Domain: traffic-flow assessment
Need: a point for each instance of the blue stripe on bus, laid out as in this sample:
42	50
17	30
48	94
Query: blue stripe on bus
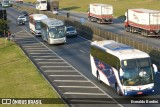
107	71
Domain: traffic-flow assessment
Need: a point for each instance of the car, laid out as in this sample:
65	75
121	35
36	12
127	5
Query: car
71	31
24	18
25	13
20	22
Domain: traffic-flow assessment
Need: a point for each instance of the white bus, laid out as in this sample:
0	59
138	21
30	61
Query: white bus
53	31
41	4
34	23
127	70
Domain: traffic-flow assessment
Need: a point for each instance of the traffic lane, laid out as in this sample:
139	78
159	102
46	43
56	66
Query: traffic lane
118	28
85	69
101	85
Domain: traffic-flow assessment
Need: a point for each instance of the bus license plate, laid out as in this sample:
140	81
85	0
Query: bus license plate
139	92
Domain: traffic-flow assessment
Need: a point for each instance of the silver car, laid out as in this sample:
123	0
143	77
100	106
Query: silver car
24	18
71	31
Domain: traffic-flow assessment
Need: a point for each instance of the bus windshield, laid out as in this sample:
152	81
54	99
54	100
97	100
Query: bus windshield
38	25
57	32
137	72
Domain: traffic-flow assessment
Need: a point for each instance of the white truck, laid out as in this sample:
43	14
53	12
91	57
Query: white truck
143	21
101	13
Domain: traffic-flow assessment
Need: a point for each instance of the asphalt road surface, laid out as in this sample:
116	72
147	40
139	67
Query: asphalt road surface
71	75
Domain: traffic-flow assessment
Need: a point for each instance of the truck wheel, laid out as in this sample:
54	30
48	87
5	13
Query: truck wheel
89	18
127	29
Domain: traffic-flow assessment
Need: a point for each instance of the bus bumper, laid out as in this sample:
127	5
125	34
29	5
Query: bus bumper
136	92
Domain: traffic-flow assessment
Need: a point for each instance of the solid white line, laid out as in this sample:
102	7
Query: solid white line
32	46
45	56
95	101
76	87
54	66
37	50
65	75
51	62
70	81
48	59
62	71
43	53
79	93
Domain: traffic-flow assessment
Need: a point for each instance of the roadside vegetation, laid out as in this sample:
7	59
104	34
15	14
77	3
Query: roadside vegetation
120	6
19	78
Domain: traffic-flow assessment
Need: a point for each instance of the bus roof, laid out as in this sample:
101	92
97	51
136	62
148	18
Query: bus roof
120	50
38	16
52	22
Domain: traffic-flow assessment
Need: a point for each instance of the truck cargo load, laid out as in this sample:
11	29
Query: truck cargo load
144	21
101	13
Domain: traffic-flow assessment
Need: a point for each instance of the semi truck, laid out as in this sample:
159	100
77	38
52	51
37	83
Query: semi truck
143	21
100	13
53	5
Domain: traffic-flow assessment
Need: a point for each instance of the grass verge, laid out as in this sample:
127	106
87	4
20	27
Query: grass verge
119	6
19	78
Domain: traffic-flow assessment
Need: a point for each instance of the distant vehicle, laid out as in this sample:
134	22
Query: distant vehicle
20	22
53	31
41	4
6	3
143	21
34	23
53	5
22	17
19	1
24	13
100	13
129	71
71	31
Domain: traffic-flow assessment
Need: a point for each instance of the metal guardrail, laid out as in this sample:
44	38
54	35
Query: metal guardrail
93	33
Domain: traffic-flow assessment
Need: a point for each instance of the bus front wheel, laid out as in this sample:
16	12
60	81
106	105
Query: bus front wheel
118	90
98	77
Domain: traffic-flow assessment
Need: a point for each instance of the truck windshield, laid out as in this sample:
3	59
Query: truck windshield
137	72
57	32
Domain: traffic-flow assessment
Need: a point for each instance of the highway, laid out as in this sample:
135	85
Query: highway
76	53
117	27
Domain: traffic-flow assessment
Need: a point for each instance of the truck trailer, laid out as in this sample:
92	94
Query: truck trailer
53	5
100	13
143	21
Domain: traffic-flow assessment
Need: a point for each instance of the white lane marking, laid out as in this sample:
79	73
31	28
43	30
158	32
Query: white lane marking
65	75
62	71
42	53
79	93
48	59
84	38
55	66
81	51
70	81
76	87
45	56
51	62
93	101
32	46
38	50
75	68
